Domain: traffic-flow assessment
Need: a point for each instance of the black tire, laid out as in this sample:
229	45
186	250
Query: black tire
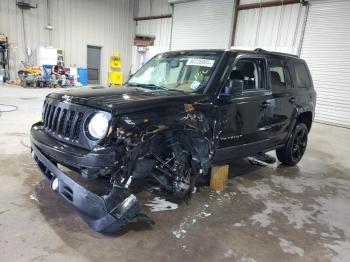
294	149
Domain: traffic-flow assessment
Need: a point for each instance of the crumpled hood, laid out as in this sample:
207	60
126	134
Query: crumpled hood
125	99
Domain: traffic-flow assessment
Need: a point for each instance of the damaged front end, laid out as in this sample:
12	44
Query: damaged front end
104	213
142	151
164	156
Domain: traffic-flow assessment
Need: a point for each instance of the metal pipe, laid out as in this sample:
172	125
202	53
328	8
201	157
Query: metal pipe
143	18
268	4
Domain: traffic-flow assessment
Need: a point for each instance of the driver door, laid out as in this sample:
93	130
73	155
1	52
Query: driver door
244	116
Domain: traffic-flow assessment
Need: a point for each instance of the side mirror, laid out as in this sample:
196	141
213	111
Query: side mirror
233	87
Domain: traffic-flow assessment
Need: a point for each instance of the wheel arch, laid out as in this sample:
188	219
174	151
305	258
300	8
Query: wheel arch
196	143
306	118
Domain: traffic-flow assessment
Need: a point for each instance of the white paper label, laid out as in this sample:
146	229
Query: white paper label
200	62
195	84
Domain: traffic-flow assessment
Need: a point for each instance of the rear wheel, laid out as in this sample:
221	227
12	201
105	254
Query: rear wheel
295	147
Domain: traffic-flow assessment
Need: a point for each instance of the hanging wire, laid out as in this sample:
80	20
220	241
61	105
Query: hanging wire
279	25
49	20
24	37
297	27
258	25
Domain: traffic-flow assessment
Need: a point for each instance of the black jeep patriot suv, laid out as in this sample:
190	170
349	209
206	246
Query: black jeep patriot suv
181	113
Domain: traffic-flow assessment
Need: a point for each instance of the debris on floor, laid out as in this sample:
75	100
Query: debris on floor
158	204
34	197
290	248
190	220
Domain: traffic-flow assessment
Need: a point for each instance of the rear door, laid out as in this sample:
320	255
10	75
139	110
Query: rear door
305	96
283	111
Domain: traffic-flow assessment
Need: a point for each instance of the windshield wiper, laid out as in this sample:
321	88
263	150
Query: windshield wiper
156	87
150	86
153	86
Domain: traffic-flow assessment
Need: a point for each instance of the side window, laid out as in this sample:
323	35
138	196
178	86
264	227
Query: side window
279	75
302	75
249	71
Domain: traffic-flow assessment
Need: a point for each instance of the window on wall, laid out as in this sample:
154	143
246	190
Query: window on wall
302	75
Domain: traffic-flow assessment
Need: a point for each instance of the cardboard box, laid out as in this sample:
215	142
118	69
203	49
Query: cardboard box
3	38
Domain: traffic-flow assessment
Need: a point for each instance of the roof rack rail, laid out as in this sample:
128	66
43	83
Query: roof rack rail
263	51
260	50
285	54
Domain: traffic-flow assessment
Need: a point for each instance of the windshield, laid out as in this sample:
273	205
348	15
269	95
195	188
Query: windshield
176	71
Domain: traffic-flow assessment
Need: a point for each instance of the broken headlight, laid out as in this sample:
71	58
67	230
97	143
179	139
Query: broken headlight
98	126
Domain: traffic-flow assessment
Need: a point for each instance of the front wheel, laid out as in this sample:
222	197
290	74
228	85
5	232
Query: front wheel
295	147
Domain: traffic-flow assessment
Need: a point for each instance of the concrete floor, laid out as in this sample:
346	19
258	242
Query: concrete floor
270	213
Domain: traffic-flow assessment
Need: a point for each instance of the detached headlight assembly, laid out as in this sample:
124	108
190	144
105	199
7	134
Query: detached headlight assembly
98	126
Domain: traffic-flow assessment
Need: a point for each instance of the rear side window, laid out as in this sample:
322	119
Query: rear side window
279	74
302	75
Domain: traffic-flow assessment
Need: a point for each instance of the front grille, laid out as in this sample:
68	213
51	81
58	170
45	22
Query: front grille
61	121
65	122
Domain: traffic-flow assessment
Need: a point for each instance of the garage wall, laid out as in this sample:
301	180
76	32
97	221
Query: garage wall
153	7
11	25
77	23
276	28
160	28
326	49
202	24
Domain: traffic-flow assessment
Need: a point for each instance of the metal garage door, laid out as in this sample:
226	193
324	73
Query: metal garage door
277	28
202	24
326	49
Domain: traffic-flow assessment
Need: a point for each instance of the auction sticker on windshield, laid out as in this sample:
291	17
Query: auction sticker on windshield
200	62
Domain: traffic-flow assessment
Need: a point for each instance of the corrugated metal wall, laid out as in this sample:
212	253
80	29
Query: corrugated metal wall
11	25
77	23
326	49
160	28
202	24
272	28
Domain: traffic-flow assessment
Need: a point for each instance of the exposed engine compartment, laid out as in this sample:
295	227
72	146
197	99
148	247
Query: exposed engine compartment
166	162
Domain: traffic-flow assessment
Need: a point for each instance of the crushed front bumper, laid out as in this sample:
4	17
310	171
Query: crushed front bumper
107	213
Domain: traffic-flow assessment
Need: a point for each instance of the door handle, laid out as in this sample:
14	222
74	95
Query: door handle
265	104
292	100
